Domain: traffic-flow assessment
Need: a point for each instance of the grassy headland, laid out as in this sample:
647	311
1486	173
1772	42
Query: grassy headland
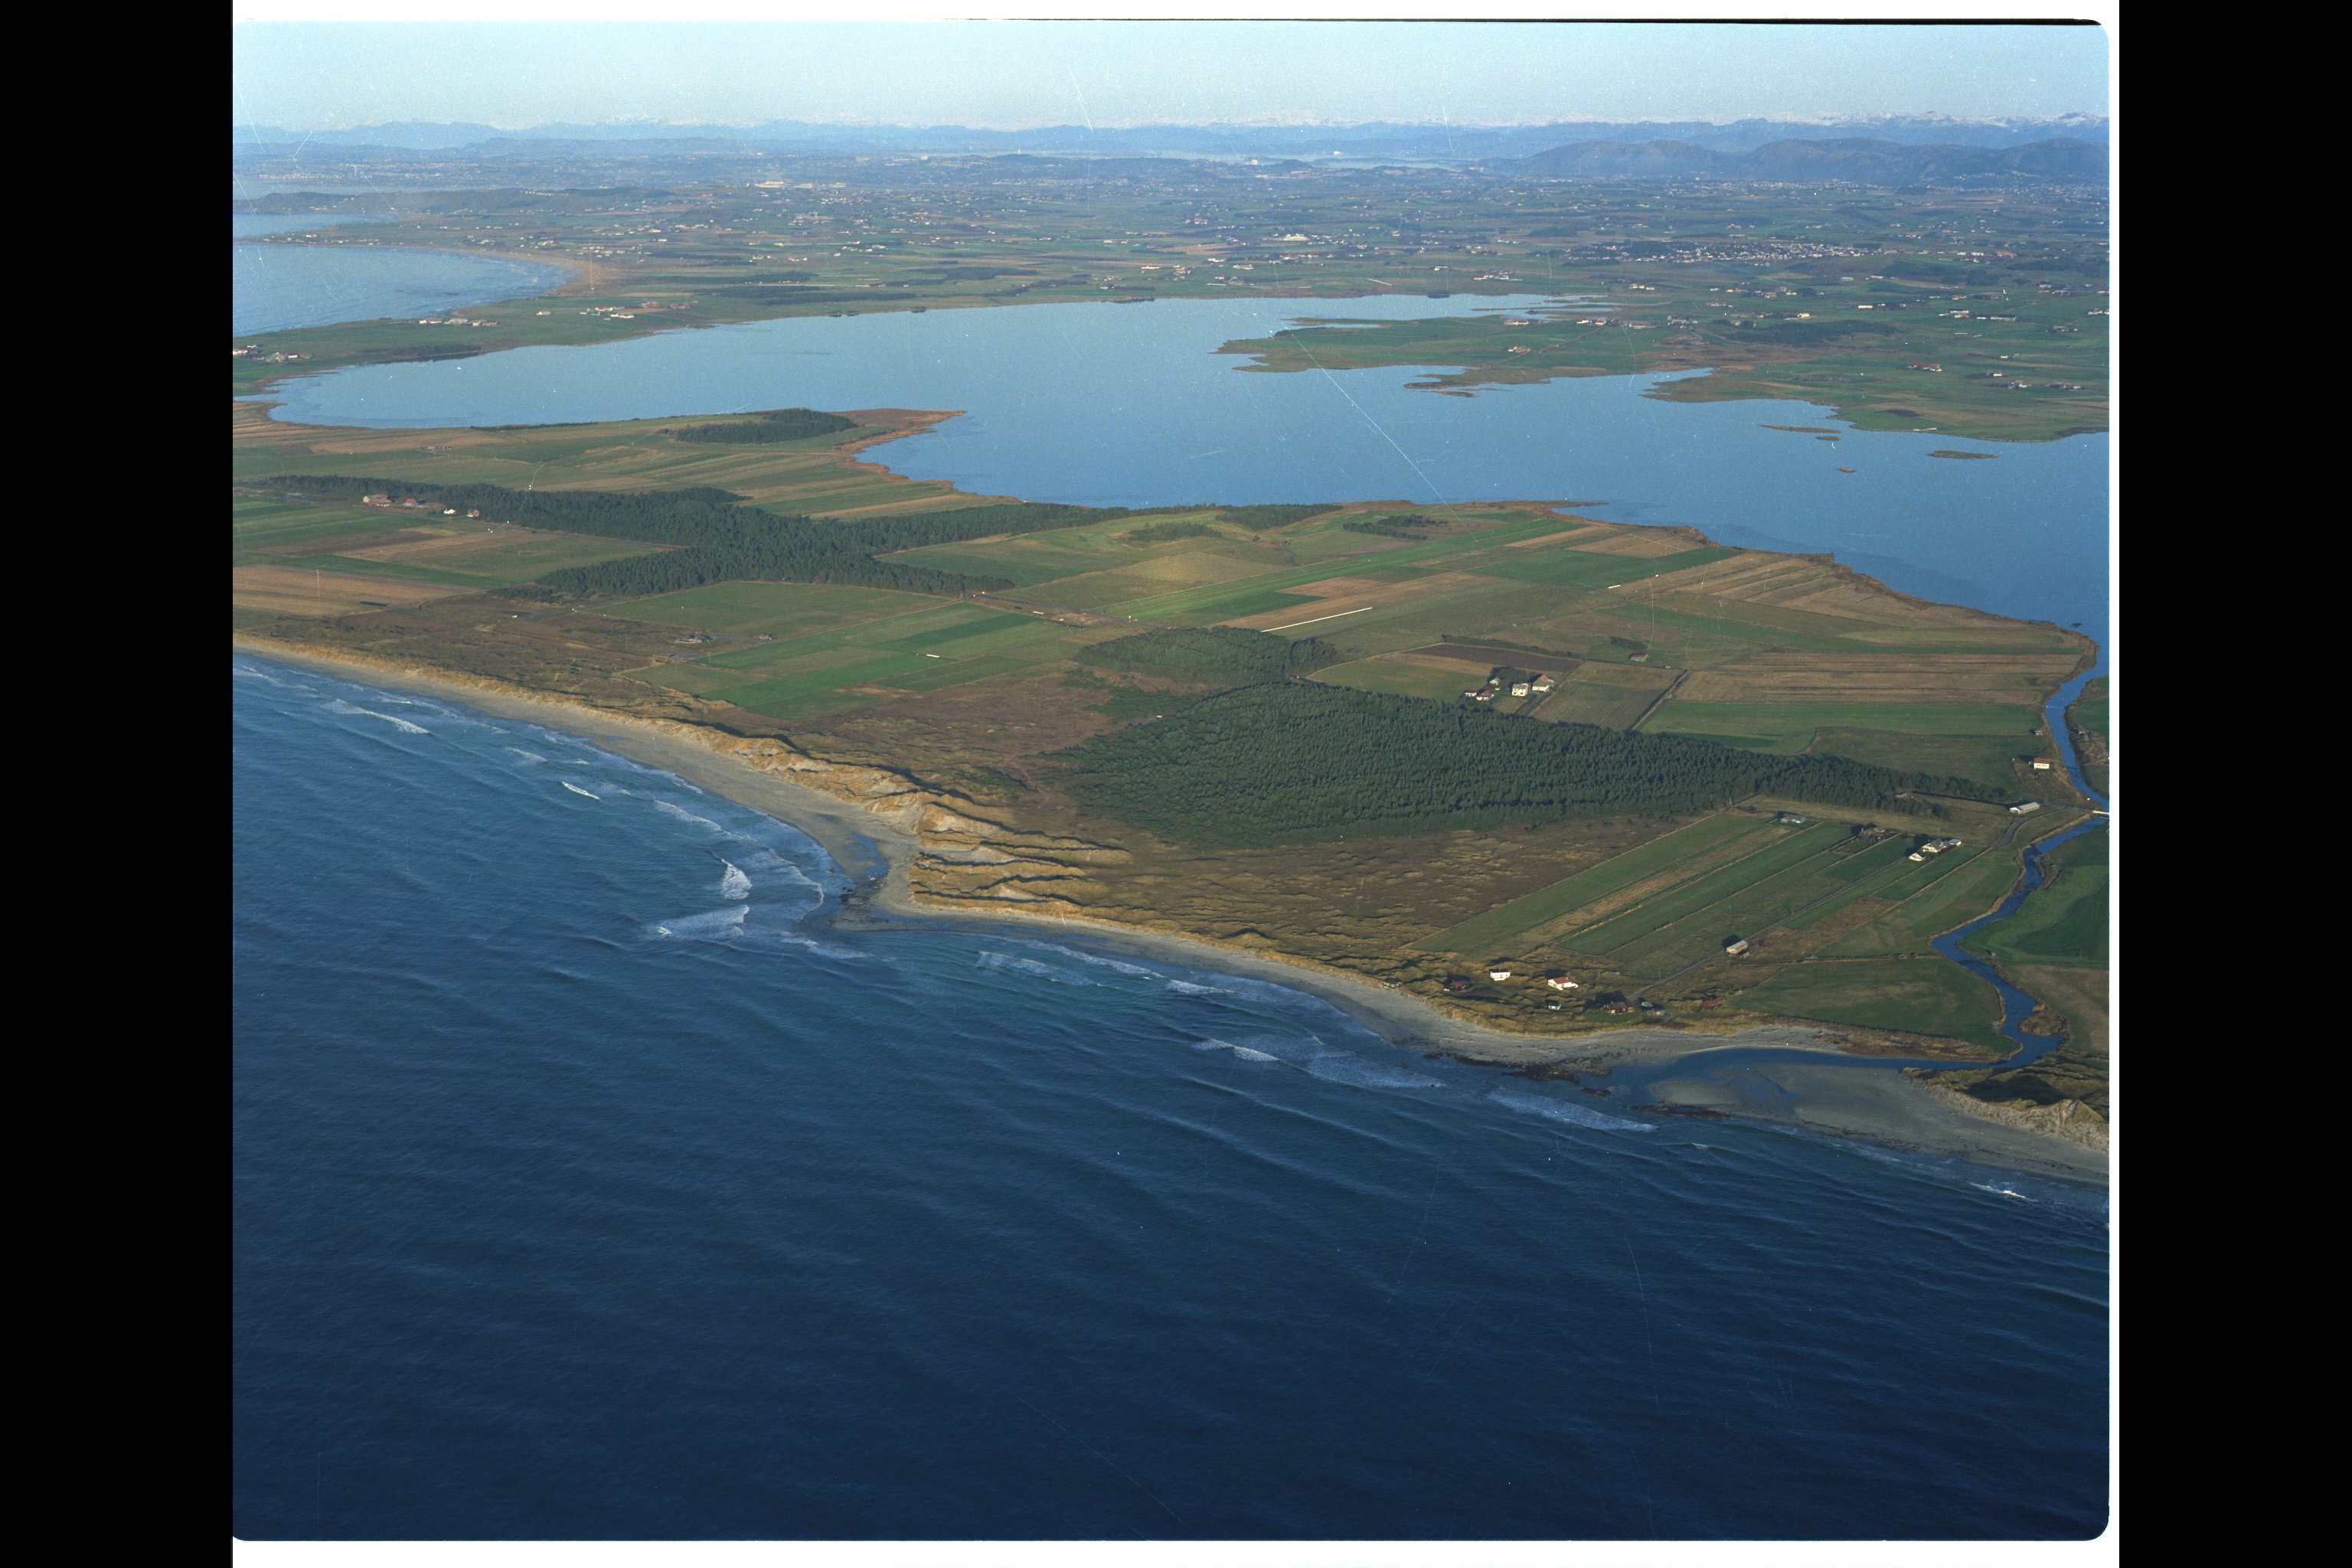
1750	752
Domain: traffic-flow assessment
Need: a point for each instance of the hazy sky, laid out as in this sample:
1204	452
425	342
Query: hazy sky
317	76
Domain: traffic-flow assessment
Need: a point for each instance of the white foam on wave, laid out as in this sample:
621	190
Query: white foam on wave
1097	959
1246	1053
1566	1110
575	789
1028	966
340	705
733	883
822	949
768	860
2003	1191
714	926
530	758
1193	988
668	808
254	674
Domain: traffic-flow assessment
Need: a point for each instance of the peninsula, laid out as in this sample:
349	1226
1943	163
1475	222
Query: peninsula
1583	788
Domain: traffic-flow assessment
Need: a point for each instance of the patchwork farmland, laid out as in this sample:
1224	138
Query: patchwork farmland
1634	631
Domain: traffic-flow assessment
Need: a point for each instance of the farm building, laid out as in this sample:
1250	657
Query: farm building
1499	974
1541	683
1737	944
1559	982
1518	689
2025	808
2041	764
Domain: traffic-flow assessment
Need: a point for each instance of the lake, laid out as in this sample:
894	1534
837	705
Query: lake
275	287
1130	405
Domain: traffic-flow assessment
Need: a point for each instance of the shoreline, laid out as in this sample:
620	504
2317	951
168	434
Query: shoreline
1894	1111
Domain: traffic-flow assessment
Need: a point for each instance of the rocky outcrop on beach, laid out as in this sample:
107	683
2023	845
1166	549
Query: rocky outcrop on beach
962	853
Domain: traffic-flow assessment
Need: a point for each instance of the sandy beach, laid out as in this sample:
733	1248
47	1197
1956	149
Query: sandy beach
1837	1096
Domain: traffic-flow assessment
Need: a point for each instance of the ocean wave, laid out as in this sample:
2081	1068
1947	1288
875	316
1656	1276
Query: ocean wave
1246	1053
1345	1066
717	925
767	859
1096	959
822	949
575	789
528	757
2002	1192
1566	1110
1028	966
1193	988
340	705
733	883
669	808
254	674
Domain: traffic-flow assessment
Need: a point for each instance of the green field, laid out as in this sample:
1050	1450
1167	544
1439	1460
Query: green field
850	638
2065	920
1949	891
779	609
1722	720
1914	995
1494	930
1758	907
1793	848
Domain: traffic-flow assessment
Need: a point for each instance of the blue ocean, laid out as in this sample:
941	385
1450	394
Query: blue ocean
590	1184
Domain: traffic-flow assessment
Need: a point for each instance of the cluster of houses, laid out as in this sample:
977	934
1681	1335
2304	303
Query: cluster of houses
1500	971
1534	686
452	321
1934	847
253	350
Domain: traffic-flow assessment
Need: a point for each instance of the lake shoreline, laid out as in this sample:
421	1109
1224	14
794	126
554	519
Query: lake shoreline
879	853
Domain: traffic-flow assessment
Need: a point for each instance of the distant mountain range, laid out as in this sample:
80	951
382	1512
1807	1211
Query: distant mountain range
1864	159
1375	141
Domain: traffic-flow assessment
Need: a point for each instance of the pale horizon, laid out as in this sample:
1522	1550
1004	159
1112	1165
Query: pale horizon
1017	76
